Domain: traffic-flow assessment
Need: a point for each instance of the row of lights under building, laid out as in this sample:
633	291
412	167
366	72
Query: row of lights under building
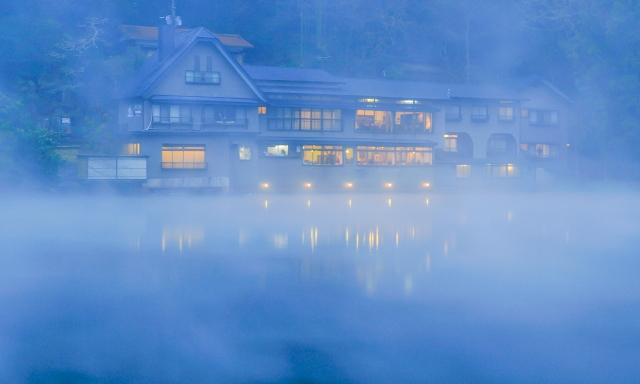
346	185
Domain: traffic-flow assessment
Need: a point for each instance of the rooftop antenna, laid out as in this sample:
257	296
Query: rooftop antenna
172	18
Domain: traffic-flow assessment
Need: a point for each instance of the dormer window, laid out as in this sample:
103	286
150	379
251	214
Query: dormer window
202	77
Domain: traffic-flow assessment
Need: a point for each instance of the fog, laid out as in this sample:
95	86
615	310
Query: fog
522	287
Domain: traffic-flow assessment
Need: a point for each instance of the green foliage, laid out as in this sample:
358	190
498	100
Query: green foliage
27	151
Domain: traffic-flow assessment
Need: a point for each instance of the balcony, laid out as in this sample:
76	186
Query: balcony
224	123
506	118
171	123
183	165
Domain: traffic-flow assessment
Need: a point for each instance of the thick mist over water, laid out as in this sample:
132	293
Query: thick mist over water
324	288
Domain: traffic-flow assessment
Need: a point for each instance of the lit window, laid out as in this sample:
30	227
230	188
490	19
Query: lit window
321	155
132	149
388	121
262	110
348	154
505	114
279	150
183	157
502	170
407	102
463	171
394	156
368	100
450	143
524	112
374	121
413	122
244	153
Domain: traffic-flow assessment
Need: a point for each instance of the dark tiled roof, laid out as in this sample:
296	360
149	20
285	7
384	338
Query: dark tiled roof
395	89
138	32
152	70
290	74
374	88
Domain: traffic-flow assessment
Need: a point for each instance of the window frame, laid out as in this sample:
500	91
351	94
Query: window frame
386	121
201	77
369	154
324	156
304	119
477	117
171	114
183	151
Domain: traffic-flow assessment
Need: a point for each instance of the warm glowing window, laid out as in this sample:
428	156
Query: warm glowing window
505	114
450	143
183	156
322	155
305	119
262	110
502	170
394	156
132	149
348	154
413	122
368	100
278	150
244	153
463	171
374	121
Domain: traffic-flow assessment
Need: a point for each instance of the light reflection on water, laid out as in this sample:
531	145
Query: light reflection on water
359	288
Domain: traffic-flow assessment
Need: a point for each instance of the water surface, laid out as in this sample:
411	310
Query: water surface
527	287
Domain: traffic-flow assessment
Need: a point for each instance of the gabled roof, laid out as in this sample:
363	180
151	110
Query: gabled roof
521	83
138	32
143	80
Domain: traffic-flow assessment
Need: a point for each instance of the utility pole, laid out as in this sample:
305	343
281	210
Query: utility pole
301	35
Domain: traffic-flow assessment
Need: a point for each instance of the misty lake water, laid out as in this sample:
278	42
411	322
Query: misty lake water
397	288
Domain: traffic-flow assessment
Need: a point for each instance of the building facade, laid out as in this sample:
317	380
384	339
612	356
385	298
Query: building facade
204	120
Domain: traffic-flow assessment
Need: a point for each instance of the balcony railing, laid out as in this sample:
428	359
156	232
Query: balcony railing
172	120
180	165
505	118
453	116
224	122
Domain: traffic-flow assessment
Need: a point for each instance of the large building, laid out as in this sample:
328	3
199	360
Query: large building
195	117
